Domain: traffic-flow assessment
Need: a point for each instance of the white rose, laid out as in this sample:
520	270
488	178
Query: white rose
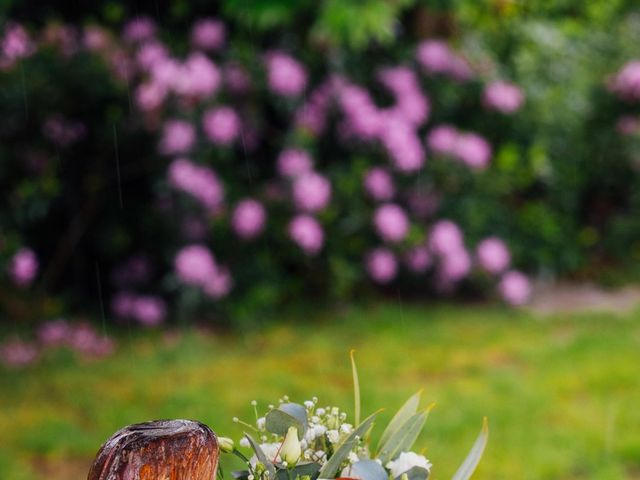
333	436
406	461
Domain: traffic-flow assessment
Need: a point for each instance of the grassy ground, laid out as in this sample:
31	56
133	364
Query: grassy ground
562	394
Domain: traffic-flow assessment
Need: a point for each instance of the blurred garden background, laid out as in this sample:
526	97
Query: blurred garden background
206	203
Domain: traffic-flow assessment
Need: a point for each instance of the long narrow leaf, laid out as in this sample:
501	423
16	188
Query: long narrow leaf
356	388
332	466
403	438
473	458
405	412
261	456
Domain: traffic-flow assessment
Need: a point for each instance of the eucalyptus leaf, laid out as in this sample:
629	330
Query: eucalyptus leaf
287	415
415	473
309	469
405	412
240	474
403	439
261	456
473	458
332	466
356	388
367	470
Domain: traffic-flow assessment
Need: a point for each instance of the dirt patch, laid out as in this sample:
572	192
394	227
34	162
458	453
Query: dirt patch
552	298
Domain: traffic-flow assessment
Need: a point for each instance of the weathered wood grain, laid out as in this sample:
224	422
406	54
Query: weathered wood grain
158	450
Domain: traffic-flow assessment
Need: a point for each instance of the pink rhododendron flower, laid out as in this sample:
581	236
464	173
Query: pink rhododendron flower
219	285
391	223
139	29
445	237
16	353
195	265
178	136
379	184
381	265
502	96
418	259
307	233
473	150
626	83
285	75
150	96
149	310
15	44
197	77
435	56
199	181
514	288
402	144
411	104
236	78
442	139
151	53
493	255
221	125
294	162
122	304
311	192
23	267
248	219
455	265
208	34
53	333
96	38
361	115
628	125
312	115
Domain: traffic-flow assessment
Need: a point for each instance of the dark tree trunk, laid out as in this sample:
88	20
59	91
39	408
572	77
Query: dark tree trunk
159	450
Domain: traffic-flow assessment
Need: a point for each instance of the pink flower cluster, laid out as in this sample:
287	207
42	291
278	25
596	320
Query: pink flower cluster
221	125
178	136
626	83
285	75
391	223
382	265
294	162
195	265
147	310
208	34
311	192
248	219
378	183
436	57
199	181
23	267
14	45
81	337
307	233
469	148
62	131
503	97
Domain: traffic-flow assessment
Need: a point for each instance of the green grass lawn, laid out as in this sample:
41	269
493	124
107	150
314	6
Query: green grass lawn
562	394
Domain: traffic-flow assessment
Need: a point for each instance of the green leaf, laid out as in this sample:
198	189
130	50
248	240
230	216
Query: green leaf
356	388
407	410
404	438
310	469
367	470
287	415
330	468
262	458
473	458
415	473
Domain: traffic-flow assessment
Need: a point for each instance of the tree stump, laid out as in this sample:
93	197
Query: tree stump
158	450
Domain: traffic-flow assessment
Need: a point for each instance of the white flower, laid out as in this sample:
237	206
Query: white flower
310	436
271	452
406	461
309	404
333	436
261	423
244	442
346	428
320	411
291	450
353	458
315	419
319	430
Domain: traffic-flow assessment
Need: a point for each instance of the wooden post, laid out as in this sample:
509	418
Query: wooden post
159	450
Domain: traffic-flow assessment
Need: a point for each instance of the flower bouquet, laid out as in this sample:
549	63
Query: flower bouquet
308	442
